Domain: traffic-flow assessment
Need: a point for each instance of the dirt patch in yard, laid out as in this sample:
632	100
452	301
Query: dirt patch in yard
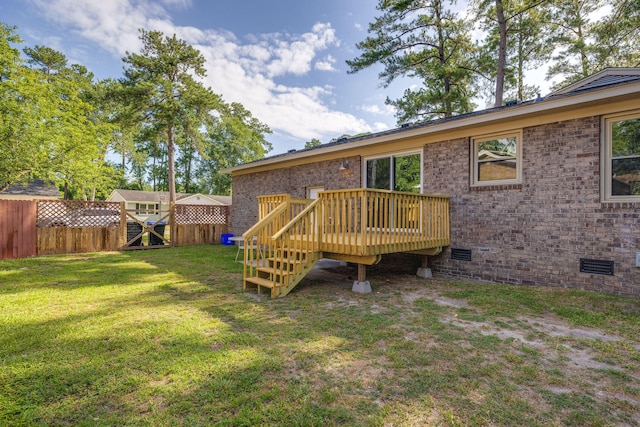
543	354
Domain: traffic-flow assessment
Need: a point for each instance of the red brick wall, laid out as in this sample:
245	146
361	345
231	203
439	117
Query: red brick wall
536	233
294	181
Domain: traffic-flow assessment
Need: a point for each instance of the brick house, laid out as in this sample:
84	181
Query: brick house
542	192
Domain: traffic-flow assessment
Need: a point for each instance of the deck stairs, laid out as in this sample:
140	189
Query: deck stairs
277	257
283	271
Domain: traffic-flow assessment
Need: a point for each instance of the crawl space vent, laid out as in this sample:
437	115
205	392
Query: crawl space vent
461	254
596	266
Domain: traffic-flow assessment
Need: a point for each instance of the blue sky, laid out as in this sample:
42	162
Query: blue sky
283	60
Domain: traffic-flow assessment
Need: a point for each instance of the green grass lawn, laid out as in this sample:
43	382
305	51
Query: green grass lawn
168	337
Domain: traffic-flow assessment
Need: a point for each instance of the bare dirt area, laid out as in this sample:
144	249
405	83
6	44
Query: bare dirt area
566	370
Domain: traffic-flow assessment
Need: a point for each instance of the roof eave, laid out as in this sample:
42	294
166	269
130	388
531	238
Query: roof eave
502	114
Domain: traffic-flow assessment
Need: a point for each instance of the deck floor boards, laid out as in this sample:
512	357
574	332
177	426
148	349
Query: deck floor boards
375	242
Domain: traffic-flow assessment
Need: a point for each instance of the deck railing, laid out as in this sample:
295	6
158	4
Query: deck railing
365	222
269	202
371	222
258	241
296	245
352	225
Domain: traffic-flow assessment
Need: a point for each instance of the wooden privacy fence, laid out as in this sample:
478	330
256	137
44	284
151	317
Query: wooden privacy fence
74	226
43	227
200	224
17	229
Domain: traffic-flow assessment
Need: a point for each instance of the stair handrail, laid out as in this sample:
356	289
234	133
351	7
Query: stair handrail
264	221
304	245
295	220
257	248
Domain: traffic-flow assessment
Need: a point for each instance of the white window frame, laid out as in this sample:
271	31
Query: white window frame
475	181
606	156
146	210
391	156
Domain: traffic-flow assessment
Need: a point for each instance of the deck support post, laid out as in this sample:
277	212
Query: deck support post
362	285
424	271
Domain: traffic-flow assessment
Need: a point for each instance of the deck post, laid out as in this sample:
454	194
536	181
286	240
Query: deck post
424	271
362	272
362	285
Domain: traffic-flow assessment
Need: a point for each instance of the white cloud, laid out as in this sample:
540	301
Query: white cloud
379	127
112	24
244	72
182	4
375	109
326	64
295	55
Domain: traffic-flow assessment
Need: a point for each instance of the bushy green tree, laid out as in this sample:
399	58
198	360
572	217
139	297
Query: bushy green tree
24	152
48	125
235	137
163	93
514	43
314	142
425	40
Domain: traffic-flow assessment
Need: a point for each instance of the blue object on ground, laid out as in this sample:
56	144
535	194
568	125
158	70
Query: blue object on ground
225	239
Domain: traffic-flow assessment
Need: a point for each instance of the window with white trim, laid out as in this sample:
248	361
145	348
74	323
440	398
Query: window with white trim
146	208
398	172
621	154
496	159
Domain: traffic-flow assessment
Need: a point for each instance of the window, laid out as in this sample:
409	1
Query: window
621	151
146	208
496	159
401	172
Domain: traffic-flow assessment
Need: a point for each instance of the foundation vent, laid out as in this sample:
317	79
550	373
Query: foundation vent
461	254
596	266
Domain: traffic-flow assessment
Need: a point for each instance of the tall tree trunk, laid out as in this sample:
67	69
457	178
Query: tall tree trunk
170	160
584	59
187	175
155	170
502	53
520	62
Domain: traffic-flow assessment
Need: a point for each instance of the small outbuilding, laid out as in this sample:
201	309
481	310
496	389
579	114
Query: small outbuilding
149	205
36	189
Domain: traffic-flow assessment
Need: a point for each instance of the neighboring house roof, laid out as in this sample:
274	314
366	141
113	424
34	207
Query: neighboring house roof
591	91
602	79
140	196
35	189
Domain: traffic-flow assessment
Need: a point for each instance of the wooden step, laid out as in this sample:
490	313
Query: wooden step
265	283
295	253
271	270
289	262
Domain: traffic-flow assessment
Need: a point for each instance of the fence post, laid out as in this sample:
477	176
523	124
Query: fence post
123	226
172	224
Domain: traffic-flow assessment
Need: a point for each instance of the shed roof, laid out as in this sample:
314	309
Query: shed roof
34	188
163	196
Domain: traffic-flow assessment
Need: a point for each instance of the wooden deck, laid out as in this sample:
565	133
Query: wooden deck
357	225
374	242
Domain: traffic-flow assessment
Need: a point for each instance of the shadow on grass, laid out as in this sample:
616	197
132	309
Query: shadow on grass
168	337
157	337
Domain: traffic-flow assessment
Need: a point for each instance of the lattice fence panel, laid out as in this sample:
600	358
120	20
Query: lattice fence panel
77	213
201	214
